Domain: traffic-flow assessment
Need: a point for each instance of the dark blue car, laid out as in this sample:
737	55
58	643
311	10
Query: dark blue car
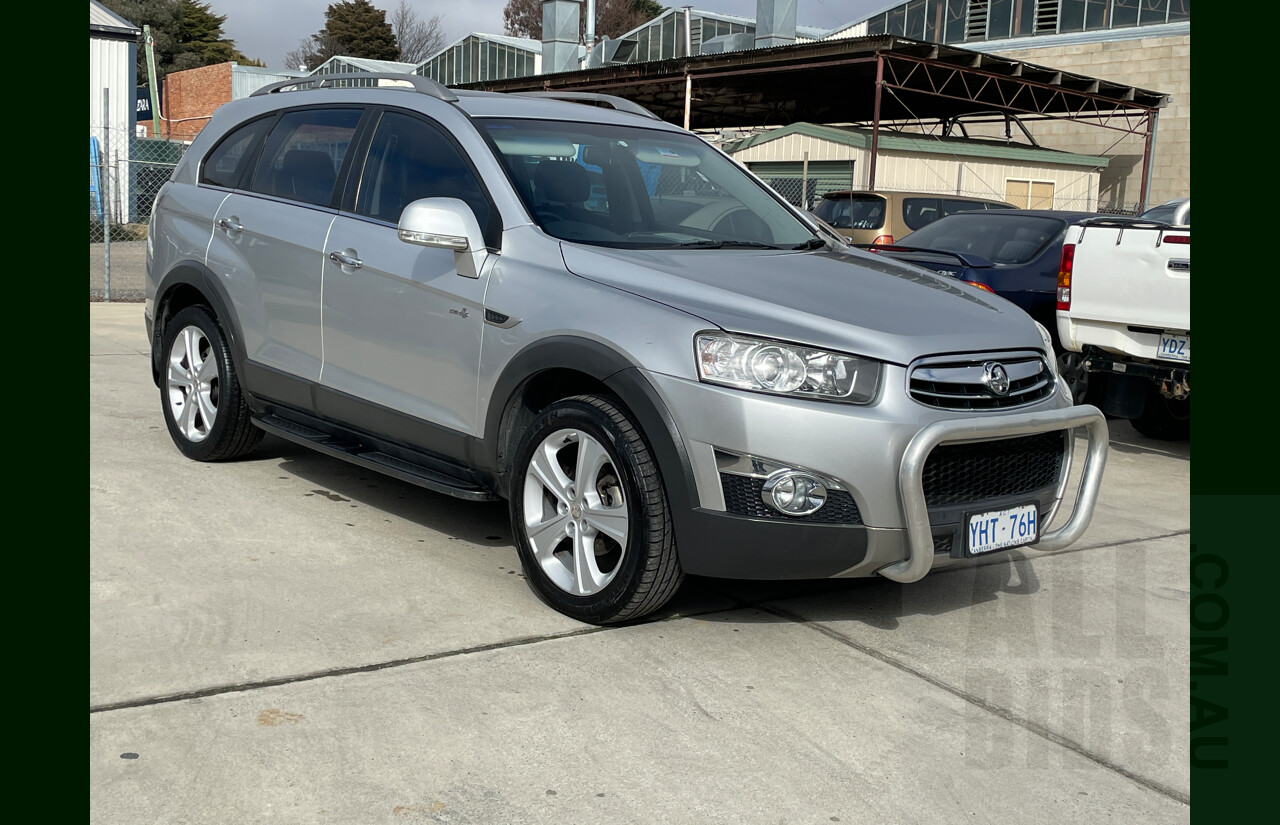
1012	252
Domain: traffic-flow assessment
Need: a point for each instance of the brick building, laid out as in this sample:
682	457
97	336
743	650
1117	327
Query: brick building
190	97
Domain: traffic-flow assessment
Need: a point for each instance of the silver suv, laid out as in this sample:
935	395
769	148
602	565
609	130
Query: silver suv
569	304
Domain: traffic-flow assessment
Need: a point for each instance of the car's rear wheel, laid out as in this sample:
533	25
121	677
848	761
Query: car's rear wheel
1168	419
203	405
591	519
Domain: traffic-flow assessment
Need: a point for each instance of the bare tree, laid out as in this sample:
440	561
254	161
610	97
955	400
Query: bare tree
523	18
418	37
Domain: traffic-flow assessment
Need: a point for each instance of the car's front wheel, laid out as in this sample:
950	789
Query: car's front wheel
591	519
203	405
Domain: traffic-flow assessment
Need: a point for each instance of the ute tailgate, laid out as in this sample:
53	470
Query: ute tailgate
1132	276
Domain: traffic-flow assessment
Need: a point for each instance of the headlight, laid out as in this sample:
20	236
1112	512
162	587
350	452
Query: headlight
1050	355
785	369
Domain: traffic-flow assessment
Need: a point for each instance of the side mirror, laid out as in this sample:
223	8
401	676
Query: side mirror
445	223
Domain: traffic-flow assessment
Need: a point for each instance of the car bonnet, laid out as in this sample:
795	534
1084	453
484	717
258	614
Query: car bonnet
844	301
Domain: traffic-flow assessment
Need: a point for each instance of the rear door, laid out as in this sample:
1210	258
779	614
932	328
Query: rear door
268	239
402	328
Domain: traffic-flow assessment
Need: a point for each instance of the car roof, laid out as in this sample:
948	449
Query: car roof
844	193
514	105
1063	214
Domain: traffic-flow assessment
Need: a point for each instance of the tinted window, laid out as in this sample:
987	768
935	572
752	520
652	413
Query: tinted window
224	165
950	207
852	211
1015	239
304	153
408	160
918	212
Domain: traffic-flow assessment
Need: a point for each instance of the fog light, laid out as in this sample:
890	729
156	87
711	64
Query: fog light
794	493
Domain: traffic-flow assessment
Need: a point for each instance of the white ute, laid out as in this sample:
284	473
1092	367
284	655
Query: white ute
1124	305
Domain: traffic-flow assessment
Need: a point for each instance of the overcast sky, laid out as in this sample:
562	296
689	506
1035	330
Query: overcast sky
267	29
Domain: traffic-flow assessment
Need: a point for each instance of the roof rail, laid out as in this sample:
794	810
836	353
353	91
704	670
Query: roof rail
621	104
422	85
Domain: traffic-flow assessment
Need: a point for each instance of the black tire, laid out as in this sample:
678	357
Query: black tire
1086	387
1166	419
645	571
215	426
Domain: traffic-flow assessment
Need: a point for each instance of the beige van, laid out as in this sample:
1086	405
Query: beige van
886	217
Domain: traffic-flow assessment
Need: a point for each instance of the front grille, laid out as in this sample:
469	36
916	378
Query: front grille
743	496
956	384
960	473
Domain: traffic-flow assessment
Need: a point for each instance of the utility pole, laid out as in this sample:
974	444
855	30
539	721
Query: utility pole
149	45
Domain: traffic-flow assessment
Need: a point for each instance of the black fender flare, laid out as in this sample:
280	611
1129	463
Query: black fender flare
198	276
626	381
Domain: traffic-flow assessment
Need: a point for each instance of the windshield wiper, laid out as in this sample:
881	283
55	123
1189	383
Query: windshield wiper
708	244
812	243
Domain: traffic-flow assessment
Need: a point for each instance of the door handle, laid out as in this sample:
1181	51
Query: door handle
231	224
342	259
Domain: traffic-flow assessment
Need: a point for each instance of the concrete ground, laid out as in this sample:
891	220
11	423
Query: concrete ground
290	637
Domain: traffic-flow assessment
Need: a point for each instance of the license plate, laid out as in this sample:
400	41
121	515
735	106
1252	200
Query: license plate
1175	348
1001	529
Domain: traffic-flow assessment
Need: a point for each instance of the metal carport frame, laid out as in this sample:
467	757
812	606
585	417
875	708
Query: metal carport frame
805	81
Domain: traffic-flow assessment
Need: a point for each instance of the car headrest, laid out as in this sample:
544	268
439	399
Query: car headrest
561	181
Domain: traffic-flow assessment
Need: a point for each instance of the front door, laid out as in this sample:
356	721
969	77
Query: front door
402	328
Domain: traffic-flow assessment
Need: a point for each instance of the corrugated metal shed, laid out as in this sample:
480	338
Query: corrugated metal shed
854	137
245	80
344	63
839	158
105	22
112	79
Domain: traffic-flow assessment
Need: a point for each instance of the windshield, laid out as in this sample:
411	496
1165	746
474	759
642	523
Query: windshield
1001	239
623	186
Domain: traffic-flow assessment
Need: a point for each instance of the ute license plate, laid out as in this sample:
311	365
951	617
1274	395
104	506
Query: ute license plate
1175	348
1002	529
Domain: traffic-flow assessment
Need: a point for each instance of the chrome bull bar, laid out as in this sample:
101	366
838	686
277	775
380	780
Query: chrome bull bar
911	477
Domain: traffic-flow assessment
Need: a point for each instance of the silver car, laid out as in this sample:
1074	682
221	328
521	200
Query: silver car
663	367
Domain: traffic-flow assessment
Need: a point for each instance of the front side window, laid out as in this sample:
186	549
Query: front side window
409	159
304	153
624	186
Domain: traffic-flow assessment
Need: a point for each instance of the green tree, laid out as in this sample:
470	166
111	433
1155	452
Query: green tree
187	34
353	28
523	18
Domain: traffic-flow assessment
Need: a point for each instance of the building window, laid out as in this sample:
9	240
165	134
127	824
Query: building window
1046	16
1124	13
975	27
1071	16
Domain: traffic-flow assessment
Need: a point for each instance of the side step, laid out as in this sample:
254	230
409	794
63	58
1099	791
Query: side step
372	459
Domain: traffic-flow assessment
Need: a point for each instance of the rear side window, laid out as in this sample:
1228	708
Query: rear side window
226	163
950	206
408	160
852	212
918	212
304	153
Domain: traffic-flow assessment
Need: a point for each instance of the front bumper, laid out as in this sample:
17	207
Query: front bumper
878	454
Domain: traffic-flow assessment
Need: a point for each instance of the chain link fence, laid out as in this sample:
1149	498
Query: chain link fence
806	192
125	174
